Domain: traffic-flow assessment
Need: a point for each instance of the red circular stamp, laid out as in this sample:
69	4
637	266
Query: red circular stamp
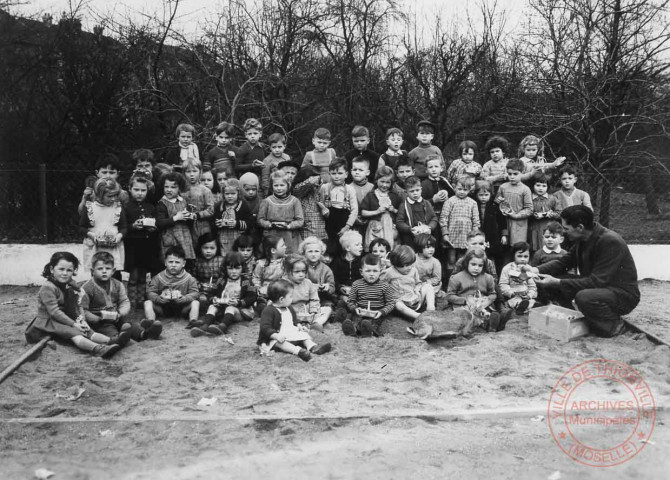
601	413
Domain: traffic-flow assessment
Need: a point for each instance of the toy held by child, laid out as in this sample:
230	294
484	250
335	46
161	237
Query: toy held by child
279	327
59	311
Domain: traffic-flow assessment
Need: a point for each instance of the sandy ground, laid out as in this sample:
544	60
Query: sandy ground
278	417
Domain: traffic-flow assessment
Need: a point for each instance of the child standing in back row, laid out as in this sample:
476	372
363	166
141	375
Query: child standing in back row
281	213
340	207
465	165
393	154
185	149
277	143
251	154
495	170
223	155
419	155
322	156
360	137
515	202
173	216
531	154
199	199
459	216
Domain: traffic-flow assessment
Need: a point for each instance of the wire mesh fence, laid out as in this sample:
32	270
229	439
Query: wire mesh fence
39	204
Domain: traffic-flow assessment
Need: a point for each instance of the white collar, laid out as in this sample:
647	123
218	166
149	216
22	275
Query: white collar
544	195
412	202
174	200
557	249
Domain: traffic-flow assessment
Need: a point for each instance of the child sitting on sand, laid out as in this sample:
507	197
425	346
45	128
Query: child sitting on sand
173	292
370	300
404	277
516	282
279	327
232	301
105	302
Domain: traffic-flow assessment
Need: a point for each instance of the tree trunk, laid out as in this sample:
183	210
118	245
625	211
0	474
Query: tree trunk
651	196
605	199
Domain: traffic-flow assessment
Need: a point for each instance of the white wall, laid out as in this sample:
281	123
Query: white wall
22	264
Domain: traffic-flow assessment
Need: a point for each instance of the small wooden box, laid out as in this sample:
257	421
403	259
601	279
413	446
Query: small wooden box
557	322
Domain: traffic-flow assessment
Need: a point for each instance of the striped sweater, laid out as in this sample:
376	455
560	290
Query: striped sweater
378	296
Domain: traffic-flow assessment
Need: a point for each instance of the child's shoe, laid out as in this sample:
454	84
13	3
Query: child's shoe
340	315
504	318
321	349
522	307
194	323
494	322
105	351
198	332
155	329
304	355
348	327
366	328
215	330
121	339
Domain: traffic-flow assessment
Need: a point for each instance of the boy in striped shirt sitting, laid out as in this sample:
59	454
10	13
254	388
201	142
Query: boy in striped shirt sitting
370	300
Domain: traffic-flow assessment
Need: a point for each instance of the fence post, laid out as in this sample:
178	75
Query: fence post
44	223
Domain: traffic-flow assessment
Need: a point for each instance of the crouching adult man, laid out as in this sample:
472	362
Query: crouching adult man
606	284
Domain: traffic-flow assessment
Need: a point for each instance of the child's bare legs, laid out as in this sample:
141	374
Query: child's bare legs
408	312
287	347
150	310
451	258
99	349
322	317
428	297
194	310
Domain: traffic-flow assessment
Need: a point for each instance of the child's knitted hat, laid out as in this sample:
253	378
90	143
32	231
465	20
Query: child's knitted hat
249	179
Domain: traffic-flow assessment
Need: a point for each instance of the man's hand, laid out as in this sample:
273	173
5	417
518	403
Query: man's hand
547	281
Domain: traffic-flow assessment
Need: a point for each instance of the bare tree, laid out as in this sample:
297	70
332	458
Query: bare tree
601	67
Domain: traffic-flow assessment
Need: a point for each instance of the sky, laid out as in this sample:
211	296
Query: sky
193	13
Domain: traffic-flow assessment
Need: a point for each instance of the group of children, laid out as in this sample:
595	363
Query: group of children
247	232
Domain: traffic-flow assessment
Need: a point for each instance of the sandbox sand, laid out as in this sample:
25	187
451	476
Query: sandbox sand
395	376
